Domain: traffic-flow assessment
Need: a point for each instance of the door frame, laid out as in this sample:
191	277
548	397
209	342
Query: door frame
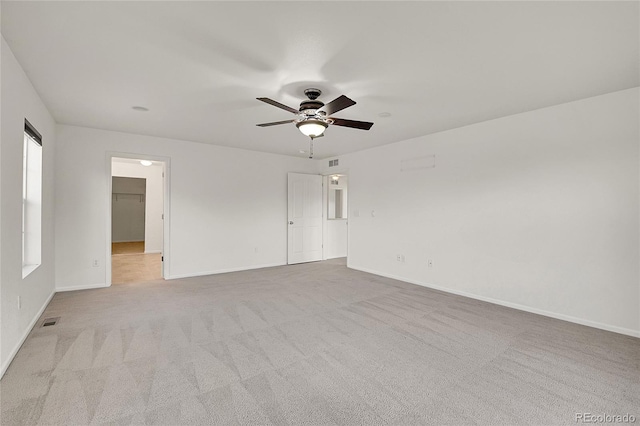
166	237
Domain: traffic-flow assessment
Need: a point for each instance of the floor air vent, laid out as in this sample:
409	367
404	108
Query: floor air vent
50	321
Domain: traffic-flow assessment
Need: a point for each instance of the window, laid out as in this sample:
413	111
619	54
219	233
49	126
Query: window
31	199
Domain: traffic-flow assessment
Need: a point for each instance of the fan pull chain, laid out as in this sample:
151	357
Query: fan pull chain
311	147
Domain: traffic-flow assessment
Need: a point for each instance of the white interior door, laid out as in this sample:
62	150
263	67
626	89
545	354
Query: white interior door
305	218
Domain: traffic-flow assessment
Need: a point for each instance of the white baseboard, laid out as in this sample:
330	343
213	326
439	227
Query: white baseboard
581	321
152	251
81	287
334	257
15	350
223	271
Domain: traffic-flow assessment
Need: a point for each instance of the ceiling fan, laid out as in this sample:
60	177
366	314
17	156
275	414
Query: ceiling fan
313	117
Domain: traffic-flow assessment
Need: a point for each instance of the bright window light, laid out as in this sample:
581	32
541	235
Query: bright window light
31	200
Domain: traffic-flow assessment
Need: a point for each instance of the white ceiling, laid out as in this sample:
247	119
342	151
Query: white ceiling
198	66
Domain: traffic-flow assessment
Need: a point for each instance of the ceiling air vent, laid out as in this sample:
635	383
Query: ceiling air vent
333	163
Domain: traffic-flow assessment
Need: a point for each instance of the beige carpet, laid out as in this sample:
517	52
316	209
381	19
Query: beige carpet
312	344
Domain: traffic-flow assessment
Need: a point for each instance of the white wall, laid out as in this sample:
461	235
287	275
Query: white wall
228	206
336	238
154	207
20	101
537	210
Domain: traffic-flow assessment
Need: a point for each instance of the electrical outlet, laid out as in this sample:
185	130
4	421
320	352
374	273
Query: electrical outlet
95	263
430	263
255	249
399	257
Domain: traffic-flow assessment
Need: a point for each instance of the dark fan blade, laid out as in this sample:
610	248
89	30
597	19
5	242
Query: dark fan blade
364	125
338	104
275	123
278	104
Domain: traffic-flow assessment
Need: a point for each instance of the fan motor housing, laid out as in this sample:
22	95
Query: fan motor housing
310	104
312	93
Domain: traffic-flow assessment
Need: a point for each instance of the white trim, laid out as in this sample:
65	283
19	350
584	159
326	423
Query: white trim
35	319
325	227
581	321
224	271
81	287
152	251
109	248
335	257
29	268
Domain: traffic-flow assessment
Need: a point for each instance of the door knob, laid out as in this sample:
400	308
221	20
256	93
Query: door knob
290	222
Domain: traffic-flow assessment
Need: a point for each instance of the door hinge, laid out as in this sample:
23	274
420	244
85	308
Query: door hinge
162	216
162	259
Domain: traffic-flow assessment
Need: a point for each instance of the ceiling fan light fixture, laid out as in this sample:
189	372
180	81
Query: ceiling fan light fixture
312	128
314	116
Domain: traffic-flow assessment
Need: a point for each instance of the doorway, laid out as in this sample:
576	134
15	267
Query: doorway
137	220
336	224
